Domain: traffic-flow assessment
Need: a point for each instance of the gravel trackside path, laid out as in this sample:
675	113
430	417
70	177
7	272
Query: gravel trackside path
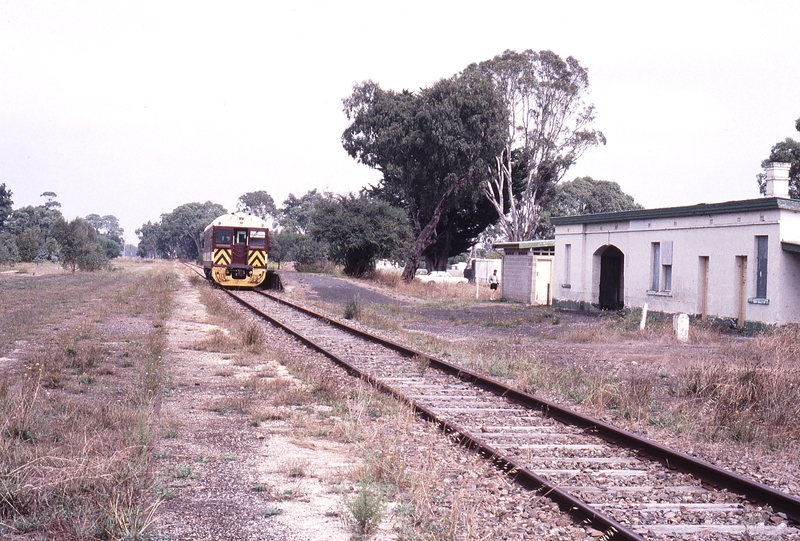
221	475
225	479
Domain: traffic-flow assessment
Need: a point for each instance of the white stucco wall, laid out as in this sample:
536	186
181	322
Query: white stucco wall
718	237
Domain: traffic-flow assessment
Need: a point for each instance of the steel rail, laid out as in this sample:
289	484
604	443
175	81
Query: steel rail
579	510
670	458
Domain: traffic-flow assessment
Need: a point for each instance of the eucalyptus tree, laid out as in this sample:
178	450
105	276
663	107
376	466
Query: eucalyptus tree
295	214
183	227
179	233
107	226
584	195
430	146
6	204
359	230
548	129
259	203
79	245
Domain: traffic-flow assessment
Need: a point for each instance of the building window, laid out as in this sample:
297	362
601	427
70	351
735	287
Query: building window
761	266
661	266
656	267
666	265
567	264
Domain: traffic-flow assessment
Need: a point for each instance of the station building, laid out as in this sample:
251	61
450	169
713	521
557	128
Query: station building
738	260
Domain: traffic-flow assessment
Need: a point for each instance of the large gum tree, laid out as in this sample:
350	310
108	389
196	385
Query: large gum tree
429	146
549	128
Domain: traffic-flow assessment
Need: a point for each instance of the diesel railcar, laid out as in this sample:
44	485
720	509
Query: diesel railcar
235	248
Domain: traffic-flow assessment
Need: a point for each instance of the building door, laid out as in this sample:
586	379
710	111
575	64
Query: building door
703	287
611	279
544	273
741	289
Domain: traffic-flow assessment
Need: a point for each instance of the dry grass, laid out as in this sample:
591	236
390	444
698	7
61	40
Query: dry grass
76	426
428	291
748	393
755	396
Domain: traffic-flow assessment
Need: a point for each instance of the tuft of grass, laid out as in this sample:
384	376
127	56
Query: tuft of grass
365	508
271	512
352	309
295	467
252	336
183	471
757	400
219	341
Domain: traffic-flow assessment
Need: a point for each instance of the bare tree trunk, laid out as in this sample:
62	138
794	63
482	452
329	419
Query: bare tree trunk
426	235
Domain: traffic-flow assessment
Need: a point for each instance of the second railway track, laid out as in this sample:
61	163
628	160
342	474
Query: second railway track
622	485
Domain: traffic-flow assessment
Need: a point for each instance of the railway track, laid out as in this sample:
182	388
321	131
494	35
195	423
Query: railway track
615	481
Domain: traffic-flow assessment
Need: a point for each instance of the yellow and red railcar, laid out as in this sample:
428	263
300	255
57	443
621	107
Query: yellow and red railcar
235	248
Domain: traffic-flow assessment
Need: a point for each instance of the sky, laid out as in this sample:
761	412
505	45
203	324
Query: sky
135	108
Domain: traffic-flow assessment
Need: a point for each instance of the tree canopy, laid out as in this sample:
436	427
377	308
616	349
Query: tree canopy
80	246
432	147
786	151
360	230
295	214
40	233
584	195
6	204
33	229
548	129
259	203
180	232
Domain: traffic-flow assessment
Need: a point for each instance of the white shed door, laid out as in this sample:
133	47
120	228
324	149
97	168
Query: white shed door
544	271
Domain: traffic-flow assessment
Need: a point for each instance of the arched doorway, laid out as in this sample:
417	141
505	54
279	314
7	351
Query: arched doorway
611	279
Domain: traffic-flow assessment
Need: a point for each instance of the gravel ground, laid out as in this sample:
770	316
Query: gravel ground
227	477
625	357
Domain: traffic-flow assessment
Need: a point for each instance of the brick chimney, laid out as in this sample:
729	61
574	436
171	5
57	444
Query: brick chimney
777	180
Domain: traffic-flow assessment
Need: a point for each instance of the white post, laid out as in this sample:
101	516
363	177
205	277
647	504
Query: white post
681	324
644	317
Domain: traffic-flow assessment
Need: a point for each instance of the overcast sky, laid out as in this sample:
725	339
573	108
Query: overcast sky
134	108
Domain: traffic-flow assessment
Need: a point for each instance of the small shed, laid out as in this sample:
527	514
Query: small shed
528	270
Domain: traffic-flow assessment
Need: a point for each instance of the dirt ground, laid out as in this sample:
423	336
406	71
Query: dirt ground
251	446
224	476
286	477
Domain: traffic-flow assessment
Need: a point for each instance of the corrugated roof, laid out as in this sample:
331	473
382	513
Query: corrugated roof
747	205
526	244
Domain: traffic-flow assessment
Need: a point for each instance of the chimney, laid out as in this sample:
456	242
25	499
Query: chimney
777	180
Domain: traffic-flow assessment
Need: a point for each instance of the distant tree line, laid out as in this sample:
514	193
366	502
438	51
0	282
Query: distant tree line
41	233
352	230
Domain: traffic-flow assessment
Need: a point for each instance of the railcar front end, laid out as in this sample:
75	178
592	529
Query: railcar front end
235	248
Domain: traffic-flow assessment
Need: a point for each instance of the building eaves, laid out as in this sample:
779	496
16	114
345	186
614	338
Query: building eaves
703	209
526	244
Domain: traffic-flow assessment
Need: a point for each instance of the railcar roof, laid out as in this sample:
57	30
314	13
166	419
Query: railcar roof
238	219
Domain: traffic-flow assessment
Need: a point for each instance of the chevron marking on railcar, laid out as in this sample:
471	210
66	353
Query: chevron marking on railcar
256	258
222	256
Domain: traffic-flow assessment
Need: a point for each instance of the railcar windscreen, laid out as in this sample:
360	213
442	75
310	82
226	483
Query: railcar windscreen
223	236
258	238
